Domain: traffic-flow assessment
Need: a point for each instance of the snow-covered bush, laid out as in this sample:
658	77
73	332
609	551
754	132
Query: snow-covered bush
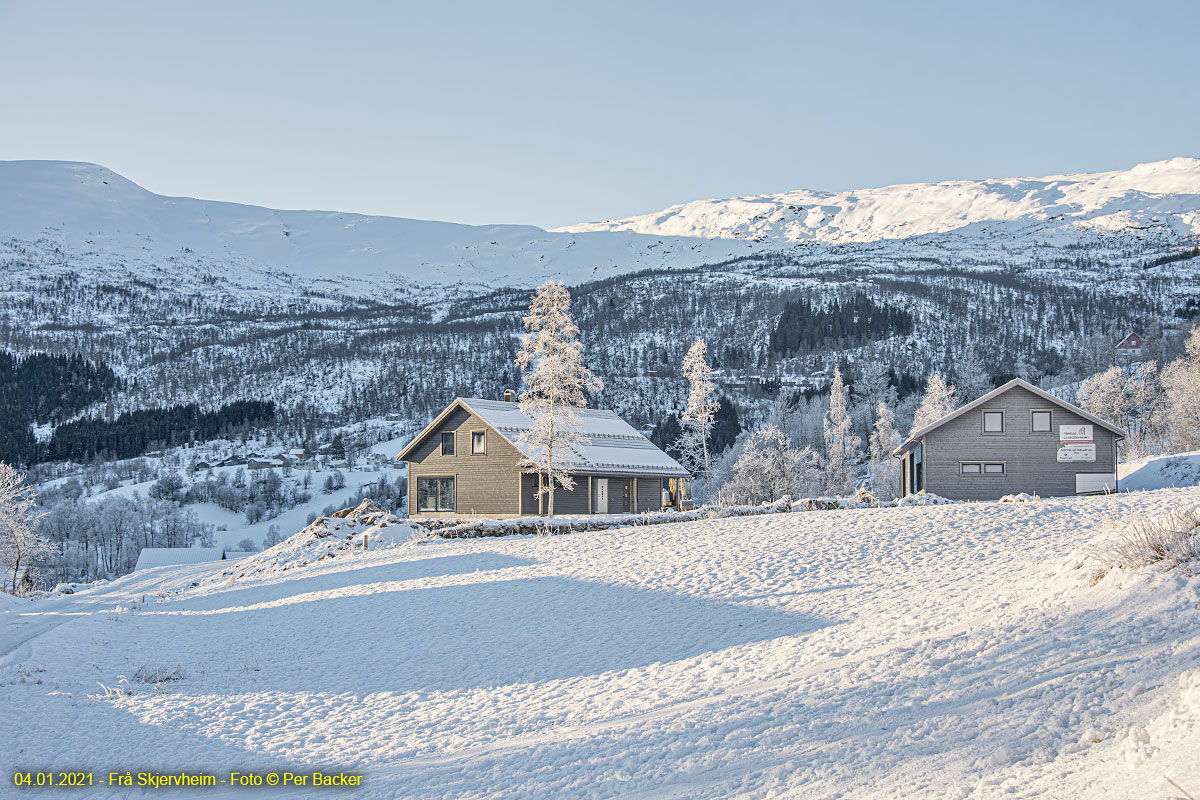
1023	497
158	673
923	498
1171	539
769	468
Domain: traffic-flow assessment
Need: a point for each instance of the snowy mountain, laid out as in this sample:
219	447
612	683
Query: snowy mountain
338	317
1163	196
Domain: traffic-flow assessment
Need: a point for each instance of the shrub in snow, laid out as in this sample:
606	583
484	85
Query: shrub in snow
1023	497
157	673
1171	539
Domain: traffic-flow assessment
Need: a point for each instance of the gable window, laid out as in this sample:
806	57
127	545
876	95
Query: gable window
970	469
993	422
1040	423
478	443
993	469
435	494
447	444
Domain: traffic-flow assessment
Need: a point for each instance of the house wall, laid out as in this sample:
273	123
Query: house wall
1031	459
485	485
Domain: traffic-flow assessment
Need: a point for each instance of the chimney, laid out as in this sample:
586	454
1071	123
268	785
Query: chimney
510	396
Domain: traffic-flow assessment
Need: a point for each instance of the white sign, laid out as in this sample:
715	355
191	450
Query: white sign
1077	452
1075	434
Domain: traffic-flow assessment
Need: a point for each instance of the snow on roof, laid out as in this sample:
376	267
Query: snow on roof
175	556
610	443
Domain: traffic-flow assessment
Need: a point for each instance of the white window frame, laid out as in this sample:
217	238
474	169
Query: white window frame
984	418
481	437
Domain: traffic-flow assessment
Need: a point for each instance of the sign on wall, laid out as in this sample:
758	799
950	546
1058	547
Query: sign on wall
1077	452
1075	434
1076	443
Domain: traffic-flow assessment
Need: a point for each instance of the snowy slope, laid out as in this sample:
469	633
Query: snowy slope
96	217
928	652
1162	195
55	215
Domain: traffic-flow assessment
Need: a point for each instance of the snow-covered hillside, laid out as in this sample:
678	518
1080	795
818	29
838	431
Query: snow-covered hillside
927	652
1162	196
57	214
96	218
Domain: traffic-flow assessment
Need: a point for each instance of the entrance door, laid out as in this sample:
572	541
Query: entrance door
601	495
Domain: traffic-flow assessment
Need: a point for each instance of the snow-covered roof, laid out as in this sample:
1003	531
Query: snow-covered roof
987	398
175	556
610	444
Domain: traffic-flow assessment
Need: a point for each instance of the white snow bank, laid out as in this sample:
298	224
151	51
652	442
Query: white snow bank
1023	497
1160	472
365	528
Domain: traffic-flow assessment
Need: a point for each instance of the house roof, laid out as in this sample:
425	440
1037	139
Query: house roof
610	444
176	556
1131	342
1015	383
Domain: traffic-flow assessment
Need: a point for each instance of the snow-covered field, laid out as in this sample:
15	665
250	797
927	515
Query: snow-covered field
941	651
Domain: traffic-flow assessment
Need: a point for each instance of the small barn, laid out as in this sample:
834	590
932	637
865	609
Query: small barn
1017	438
150	557
1131	347
468	462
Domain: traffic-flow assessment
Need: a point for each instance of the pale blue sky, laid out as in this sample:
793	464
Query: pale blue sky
552	113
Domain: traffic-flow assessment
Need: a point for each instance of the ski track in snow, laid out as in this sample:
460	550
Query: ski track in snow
943	652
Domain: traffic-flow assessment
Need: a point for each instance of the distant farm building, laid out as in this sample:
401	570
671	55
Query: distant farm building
1131	347
1017	438
467	462
151	557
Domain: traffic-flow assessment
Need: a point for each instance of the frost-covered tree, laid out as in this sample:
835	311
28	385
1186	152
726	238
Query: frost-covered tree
555	384
698	417
1131	400
21	546
885	469
937	402
973	381
770	467
874	387
1181	387
843	449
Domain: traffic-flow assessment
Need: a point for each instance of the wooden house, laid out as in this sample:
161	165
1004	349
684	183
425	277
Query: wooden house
468	462
1017	438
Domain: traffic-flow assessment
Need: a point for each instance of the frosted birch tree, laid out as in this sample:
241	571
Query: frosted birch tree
697	419
1181	386
556	383
885	469
937	402
843	448
1132	401
20	544
769	468
973	379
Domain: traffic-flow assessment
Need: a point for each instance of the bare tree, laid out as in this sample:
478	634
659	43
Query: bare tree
1181	385
21	547
697	420
937	402
556	382
843	449
885	469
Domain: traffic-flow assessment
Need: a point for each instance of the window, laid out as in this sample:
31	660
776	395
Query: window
478	445
993	469
971	469
435	494
1040	422
447	444
977	468
993	422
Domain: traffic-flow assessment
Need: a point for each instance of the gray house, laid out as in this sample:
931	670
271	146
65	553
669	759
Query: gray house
467	462
1017	438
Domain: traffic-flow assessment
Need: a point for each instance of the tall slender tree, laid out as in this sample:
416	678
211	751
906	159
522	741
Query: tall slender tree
843	448
556	383
698	418
884	440
21	546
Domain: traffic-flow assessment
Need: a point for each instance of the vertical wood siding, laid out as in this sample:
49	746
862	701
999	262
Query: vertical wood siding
1031	459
